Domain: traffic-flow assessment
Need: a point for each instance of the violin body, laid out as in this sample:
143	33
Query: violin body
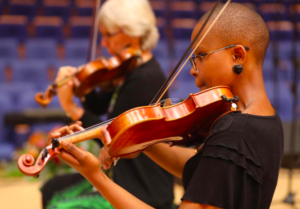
135	130
99	72
103	70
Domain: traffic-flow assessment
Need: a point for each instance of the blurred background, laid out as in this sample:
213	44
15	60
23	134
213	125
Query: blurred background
39	36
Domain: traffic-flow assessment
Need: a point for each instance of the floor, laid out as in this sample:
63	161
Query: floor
24	193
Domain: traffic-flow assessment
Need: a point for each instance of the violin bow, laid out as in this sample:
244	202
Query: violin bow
94	32
176	71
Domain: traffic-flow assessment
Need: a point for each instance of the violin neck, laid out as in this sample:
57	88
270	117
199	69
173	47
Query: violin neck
98	131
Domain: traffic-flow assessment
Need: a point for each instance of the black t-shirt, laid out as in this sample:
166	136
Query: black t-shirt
239	164
140	176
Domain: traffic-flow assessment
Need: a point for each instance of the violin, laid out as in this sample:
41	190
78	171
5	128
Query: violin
95	73
134	130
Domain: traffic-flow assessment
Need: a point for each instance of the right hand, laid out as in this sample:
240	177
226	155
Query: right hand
105	159
65	92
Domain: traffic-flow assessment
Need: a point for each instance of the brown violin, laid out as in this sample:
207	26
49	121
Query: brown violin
136	129
95	73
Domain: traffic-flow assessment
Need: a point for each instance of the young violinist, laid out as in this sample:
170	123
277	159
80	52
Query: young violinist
237	166
122	23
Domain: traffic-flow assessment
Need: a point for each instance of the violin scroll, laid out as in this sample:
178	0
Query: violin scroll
27	165
44	99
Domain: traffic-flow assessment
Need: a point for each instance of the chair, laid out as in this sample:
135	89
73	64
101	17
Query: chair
162	26
6	151
13	27
161	50
33	71
205	7
49	28
44	49
159	8
183	28
84	8
13	92
76	48
59	8
23	7
8	49
184	9
80	27
274	12
182	89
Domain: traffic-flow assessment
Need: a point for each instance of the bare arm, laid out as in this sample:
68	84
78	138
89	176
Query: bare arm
171	159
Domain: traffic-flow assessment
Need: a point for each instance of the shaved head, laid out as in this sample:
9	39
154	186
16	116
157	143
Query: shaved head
240	25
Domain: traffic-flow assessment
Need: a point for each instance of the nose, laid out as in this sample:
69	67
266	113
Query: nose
192	72
104	42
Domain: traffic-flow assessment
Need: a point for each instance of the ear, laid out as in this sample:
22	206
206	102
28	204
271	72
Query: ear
239	53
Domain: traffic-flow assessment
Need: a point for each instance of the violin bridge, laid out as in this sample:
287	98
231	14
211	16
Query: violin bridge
168	102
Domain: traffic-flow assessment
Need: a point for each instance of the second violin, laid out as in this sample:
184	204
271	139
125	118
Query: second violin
94	73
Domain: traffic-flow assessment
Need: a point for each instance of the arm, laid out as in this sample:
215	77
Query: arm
88	165
97	104
171	159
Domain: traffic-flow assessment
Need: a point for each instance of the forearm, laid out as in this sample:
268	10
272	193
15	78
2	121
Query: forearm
118	197
171	159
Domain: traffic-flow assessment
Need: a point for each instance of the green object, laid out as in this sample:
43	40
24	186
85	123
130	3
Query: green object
78	196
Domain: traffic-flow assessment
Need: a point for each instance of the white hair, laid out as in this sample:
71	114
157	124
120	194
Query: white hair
134	17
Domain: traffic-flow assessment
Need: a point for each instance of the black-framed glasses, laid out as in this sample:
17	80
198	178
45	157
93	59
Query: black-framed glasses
193	58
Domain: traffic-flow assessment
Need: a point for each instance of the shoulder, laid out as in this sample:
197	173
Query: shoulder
228	142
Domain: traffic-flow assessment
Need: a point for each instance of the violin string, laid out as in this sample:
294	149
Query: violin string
98	125
158	95
200	41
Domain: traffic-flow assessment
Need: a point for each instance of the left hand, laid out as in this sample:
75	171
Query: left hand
83	161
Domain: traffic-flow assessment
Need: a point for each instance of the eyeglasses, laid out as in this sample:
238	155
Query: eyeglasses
193	58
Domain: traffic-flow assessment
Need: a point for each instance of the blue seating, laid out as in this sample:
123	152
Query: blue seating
159	8
164	64
180	47
281	30
58	8
161	25
8	49
84	8
6	151
80	27
13	27
161	50
183	89
12	92
41	49
183	28
76	48
33	71
6	104
184	9
23	7
49	28
274	12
